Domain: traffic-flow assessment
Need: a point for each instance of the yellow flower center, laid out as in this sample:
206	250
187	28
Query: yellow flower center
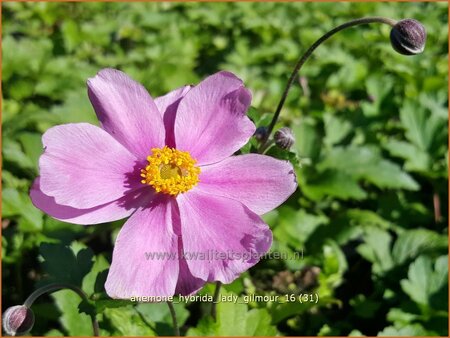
170	171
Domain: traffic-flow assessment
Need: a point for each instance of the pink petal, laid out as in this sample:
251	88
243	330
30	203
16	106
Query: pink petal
148	230
126	111
85	167
259	182
168	105
221	237
187	283
210	122
108	212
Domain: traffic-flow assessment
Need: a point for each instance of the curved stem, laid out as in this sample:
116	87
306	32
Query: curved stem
215	298
308	53
176	329
58	286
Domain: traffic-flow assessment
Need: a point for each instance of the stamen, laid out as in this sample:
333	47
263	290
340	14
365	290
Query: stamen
170	171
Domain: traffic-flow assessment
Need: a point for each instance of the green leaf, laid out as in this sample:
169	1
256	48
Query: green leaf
159	314
335	184
364	307
400	317
365	162
234	319
378	86
76	108
307	142
426	284
127	322
13	152
426	130
409	331
95	275
282	154
416	159
76	324
413	242
336	129
295	227
16	203
32	145
376	249
76	260
334	263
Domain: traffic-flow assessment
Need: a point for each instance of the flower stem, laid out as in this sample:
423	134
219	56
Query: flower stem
215	298
58	286
176	329
308	53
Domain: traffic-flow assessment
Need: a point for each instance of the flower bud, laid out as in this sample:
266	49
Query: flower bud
18	320
284	138
261	133
408	37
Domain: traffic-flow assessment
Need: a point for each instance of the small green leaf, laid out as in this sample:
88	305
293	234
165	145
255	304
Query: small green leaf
408	330
425	282
17	203
307	141
159	315
335	184
365	162
413	242
376	249
128	322
234	319
76	323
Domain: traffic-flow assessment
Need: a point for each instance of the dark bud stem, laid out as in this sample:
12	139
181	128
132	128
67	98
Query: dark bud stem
58	286
176	329
215	300
308	53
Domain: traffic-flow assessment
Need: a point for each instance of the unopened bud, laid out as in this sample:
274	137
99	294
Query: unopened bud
284	138
18	320
408	37
261	133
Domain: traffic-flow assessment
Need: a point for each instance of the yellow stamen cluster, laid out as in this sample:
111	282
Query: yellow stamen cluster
170	171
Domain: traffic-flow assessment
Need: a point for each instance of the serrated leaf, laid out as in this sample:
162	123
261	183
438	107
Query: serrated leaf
335	129
32	145
76	323
12	152
365	162
234	319
425	281
413	242
335	184
76	260
408	330
295	227
416	159
17	203
128	322
376	249
424	129
307	142
159	315
90	280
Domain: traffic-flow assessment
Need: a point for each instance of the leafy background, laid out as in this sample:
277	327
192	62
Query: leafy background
370	214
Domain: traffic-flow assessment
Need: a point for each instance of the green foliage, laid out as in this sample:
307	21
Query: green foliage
234	319
367	229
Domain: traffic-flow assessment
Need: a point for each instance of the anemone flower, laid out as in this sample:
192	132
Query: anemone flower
167	163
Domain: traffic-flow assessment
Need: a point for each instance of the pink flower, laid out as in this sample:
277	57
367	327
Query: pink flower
167	163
